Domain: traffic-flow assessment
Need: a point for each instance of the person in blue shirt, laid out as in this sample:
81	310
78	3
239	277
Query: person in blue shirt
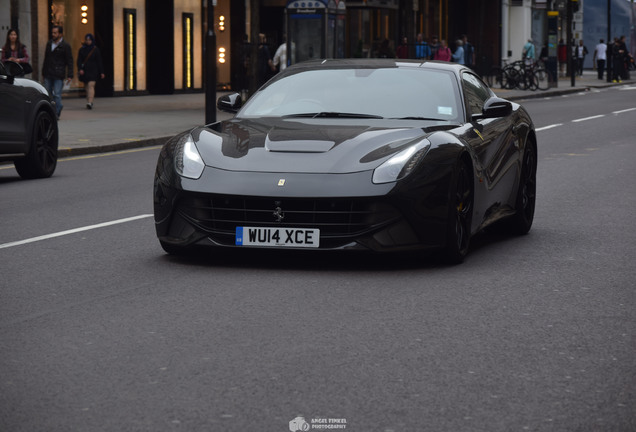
469	52
527	54
458	55
422	50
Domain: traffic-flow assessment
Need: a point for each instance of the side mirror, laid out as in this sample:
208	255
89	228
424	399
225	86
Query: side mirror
496	107
230	103
13	69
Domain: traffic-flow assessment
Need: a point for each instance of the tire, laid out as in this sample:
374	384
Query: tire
521	222
460	214
513	79
532	82
41	160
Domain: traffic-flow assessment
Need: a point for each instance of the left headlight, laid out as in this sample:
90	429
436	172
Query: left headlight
187	160
401	164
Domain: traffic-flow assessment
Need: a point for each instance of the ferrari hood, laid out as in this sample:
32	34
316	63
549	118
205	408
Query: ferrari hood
302	145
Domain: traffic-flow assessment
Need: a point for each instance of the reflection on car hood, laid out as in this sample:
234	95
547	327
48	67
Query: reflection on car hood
302	145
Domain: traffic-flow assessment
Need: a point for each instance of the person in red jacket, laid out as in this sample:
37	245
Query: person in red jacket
562	56
443	53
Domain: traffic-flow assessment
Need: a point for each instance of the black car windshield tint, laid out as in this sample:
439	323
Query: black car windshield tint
387	92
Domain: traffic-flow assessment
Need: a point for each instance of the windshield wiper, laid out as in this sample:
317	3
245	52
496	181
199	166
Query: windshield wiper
417	118
332	114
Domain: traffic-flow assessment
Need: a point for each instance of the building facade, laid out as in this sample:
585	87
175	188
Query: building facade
157	47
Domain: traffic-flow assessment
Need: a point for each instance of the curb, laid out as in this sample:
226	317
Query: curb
107	148
544	94
564	91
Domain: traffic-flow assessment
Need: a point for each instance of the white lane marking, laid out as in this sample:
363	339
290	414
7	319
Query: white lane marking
624	111
73	231
588	118
548	127
584	119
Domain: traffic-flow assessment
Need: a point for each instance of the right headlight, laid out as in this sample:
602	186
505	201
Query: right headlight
401	164
187	160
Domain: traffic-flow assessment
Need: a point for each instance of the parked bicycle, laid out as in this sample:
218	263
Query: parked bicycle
518	75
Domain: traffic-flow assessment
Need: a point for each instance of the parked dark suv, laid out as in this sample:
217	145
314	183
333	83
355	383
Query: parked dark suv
28	125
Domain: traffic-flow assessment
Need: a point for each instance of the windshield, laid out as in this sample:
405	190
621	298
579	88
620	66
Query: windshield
397	93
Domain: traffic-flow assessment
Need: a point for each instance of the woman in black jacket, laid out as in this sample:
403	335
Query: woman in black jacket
89	64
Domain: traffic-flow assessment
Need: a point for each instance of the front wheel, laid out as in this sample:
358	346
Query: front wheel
460	215
41	160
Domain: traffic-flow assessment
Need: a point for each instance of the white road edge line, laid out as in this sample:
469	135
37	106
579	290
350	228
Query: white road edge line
548	127
73	231
623	111
588	118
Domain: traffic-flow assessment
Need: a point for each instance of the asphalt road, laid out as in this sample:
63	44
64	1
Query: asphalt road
101	331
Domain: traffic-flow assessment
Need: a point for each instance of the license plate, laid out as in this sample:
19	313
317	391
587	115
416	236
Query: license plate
278	237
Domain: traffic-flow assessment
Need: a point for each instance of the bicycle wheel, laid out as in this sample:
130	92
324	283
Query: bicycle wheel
512	78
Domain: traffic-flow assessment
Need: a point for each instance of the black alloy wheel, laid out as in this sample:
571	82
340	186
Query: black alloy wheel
521	222
460	215
41	160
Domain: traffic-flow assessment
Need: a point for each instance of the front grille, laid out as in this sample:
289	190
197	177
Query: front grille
335	217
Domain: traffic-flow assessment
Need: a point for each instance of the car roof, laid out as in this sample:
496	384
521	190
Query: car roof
373	63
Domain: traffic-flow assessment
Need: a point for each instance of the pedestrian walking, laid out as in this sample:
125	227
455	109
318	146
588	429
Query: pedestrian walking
618	59
562	56
469	52
434	45
265	64
443	53
402	51
543	55
599	58
89	67
527	53
280	56
458	55
422	50
15	51
57	68
581	52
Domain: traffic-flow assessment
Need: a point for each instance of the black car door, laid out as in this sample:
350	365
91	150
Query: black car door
12	115
494	142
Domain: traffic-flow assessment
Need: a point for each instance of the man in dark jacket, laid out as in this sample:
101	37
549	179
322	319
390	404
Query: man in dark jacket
57	67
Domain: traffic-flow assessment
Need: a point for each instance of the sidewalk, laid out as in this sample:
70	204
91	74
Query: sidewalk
588	81
120	123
